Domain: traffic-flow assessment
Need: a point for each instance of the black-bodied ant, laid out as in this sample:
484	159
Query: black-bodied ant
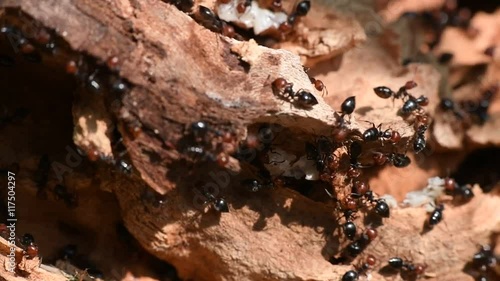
381	208
355	248
419	142
300	10
413	104
302	98
406	267
398	160
484	258
321	153
349	229
255	185
435	217
385	92
362	268
209	19
350	275
452	188
375	133
347	107
219	204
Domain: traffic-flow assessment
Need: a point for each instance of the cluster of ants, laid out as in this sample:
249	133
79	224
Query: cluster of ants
482	262
34	46
448	15
87	73
207	18
471	110
328	163
30	251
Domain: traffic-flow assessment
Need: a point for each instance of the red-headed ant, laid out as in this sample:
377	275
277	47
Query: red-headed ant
452	188
302	98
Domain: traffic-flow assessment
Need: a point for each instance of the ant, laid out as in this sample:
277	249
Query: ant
419	142
209	20
318	84
124	166
408	267
435	217
374	133
347	107
199	129
301	10
452	188
448	104
381	208
31	249
321	154
385	92
350	275
93	83
255	185
21	44
219	204
413	104
362	189
302	98
349	229
356	247
484	258
403	91
398	160
362	268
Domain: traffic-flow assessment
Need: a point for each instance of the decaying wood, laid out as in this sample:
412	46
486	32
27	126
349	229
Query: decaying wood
180	73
